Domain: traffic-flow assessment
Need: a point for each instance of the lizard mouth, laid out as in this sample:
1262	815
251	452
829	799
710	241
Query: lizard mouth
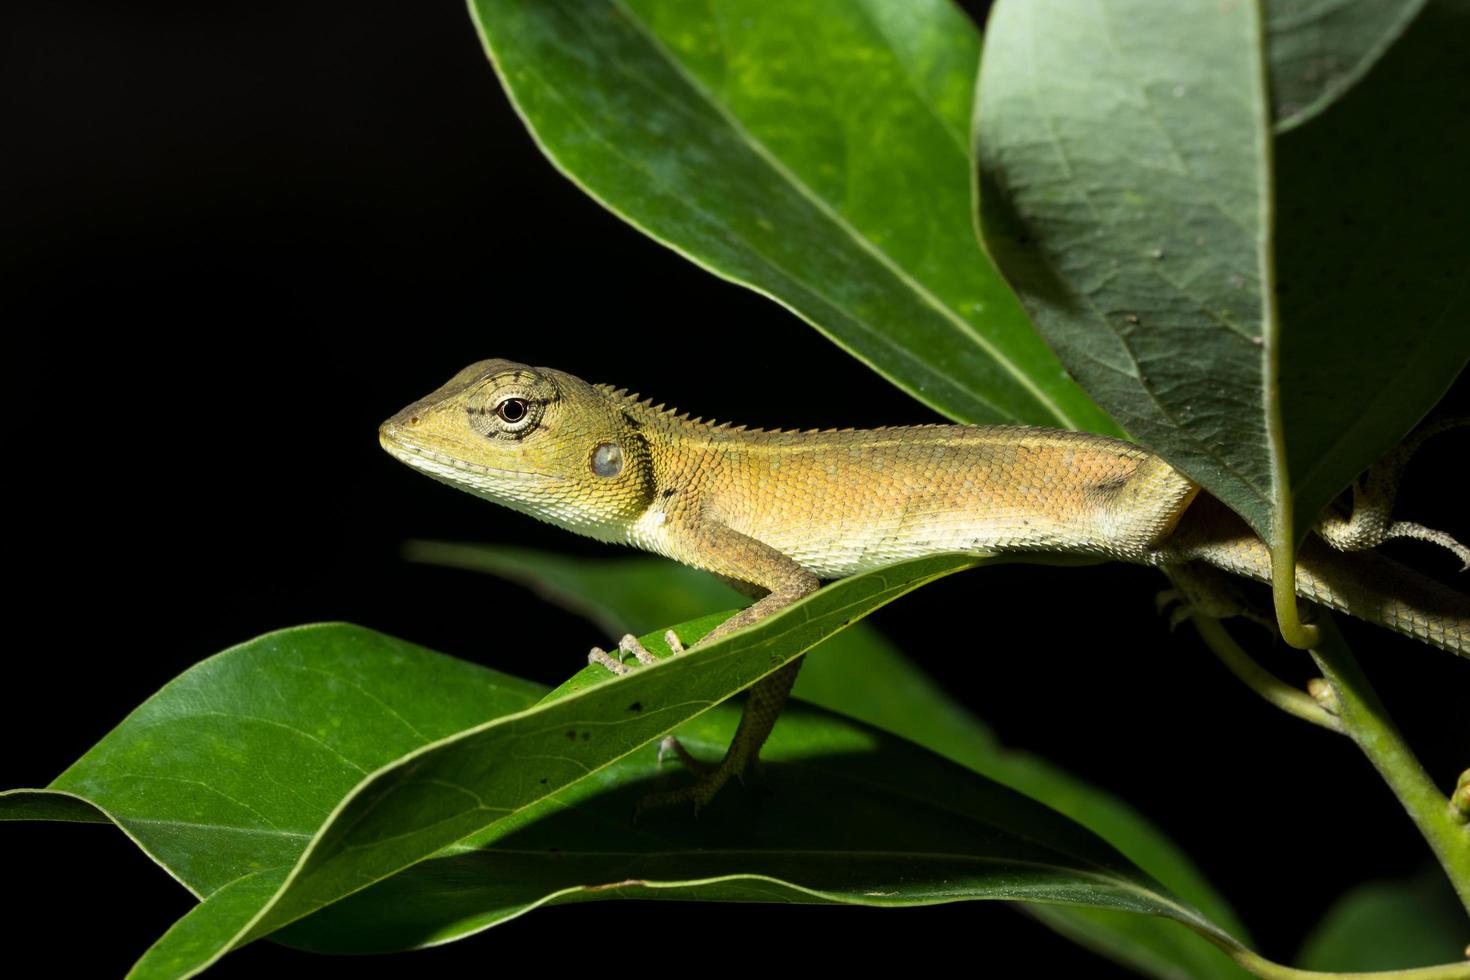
447	467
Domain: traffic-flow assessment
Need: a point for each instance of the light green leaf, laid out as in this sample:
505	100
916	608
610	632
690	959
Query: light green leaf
233	766
1320	48
855	671
253	763
815	152
916	829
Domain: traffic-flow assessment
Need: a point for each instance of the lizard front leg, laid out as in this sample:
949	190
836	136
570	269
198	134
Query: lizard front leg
759	568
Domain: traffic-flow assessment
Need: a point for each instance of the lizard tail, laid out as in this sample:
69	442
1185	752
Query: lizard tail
1363	584
1378	589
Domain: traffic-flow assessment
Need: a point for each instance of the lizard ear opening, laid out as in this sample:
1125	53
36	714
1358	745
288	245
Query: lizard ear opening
607	459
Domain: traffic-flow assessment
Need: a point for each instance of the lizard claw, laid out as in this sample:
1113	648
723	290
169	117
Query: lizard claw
599	656
1179	615
629	644
1175	603
672	746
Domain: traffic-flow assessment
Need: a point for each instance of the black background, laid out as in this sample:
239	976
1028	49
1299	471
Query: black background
238	237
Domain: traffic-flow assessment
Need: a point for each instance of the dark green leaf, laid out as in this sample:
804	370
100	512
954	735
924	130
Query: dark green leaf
620	595
1155	946
1124	153
862	675
915	831
1374	257
815	152
1389	925
1126	165
45	804
1319	49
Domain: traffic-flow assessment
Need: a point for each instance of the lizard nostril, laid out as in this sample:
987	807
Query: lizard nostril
413	420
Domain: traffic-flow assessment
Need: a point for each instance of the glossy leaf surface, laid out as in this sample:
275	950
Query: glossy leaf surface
815	152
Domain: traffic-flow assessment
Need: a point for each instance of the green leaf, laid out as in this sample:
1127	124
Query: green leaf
1124	187
231	767
889	691
860	674
815	152
639	594
253	765
1128	191
619	595
1373	257
1320	48
1389	925
915	831
45	804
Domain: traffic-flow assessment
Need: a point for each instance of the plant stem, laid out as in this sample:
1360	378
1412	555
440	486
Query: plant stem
1263	967
1260	680
1258	965
1367	723
1281	540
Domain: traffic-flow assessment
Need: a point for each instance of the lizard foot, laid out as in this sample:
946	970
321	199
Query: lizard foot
1369	521
629	644
1200	589
711	778
1176	604
702	790
761	709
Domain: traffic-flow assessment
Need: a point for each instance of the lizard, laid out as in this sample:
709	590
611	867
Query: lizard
775	512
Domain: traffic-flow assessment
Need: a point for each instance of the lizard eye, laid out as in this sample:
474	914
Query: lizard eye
512	410
511	406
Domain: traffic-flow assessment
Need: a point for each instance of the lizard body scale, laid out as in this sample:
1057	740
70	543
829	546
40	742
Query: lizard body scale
774	512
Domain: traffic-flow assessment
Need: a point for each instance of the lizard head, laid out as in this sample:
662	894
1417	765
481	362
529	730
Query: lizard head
539	441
